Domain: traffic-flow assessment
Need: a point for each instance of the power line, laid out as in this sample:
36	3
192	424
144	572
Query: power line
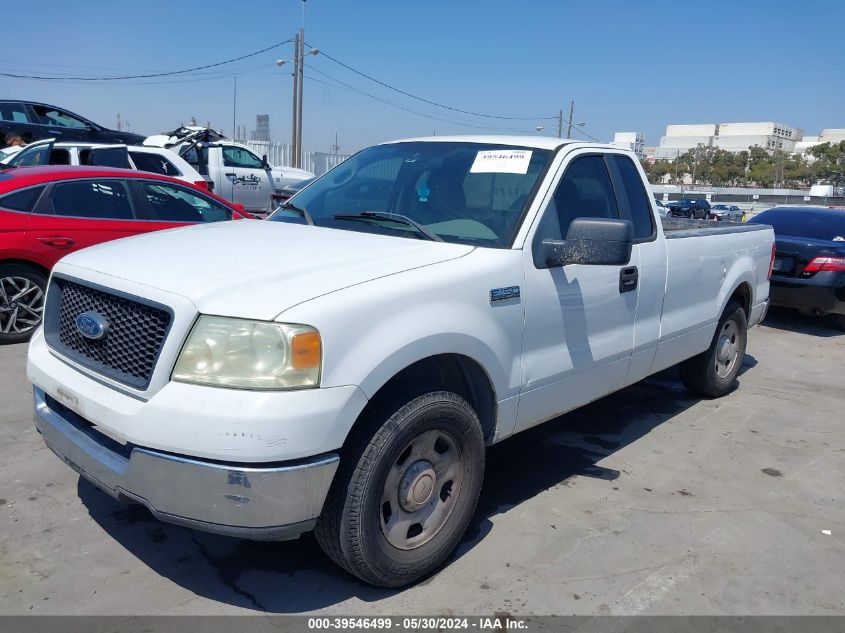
148	75
424	100
412	111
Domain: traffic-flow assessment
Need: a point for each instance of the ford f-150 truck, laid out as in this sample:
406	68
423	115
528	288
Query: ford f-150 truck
421	301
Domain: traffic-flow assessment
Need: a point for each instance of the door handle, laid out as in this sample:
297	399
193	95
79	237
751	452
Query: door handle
57	241
628	278
232	174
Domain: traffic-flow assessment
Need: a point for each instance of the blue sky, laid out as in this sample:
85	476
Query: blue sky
629	65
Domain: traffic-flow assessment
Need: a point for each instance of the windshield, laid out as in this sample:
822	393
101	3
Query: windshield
472	193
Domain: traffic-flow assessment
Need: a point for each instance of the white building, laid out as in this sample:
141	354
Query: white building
634	141
732	137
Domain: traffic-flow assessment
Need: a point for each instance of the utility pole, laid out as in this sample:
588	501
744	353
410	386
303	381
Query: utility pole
571	112
677	158
235	109
335	147
295	109
119	124
560	123
300	74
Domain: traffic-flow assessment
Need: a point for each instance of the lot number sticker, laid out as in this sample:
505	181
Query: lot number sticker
501	161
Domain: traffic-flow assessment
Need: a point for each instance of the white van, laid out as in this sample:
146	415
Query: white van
156	160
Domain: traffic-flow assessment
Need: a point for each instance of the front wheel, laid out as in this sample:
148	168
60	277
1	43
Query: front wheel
406	489
22	291
713	372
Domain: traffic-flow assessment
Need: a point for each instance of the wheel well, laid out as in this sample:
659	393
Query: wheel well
27	264
742	295
448	372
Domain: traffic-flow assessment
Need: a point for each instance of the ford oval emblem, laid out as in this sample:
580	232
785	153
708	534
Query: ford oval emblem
92	326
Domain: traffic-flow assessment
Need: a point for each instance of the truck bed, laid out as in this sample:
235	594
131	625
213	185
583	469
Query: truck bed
675	228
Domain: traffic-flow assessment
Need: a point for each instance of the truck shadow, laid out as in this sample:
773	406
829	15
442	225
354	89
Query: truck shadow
296	577
793	321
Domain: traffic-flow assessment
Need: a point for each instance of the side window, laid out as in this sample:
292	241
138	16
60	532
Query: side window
23	200
240	157
154	163
32	156
583	192
52	116
175	204
634	196
95	199
59	156
15	112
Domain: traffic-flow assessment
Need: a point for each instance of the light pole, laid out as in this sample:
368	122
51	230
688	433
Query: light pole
298	63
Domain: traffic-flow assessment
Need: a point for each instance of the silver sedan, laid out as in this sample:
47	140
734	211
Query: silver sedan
726	212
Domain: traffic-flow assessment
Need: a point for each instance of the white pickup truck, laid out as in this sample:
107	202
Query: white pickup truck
231	170
423	300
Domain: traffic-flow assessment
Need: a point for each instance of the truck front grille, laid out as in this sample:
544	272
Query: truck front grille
136	330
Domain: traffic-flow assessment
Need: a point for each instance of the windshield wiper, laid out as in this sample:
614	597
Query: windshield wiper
300	210
390	217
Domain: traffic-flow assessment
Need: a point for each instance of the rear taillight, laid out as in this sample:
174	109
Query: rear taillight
772	261
201	184
825	264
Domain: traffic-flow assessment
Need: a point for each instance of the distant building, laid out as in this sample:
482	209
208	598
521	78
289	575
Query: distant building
634	141
732	137
262	127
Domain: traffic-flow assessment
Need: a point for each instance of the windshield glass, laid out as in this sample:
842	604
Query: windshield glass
472	193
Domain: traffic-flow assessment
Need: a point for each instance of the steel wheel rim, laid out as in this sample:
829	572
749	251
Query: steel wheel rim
727	349
421	490
21	305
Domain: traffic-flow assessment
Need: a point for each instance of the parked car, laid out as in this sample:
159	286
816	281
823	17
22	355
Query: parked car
662	209
726	213
34	121
156	160
809	266
232	170
695	208
48	212
425	299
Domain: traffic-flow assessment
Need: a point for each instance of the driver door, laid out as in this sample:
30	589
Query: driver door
579	322
248	182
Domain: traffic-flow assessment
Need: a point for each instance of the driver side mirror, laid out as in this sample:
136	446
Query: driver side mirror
590	241
264	163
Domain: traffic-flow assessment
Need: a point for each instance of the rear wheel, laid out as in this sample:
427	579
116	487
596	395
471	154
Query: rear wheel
22	291
406	489
713	372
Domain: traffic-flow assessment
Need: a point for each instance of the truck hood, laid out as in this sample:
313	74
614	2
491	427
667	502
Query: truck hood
285	176
255	269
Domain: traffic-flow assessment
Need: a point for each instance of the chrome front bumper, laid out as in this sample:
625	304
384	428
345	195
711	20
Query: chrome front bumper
260	501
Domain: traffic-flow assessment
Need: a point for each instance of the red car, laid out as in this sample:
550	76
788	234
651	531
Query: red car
48	212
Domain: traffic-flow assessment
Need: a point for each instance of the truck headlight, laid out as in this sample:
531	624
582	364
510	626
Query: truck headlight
241	354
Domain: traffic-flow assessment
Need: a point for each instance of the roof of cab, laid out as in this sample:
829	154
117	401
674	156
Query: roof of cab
537	142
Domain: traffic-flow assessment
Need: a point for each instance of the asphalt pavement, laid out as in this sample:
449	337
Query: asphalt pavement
650	501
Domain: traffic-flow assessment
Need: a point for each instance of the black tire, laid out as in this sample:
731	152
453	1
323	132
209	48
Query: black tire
351	528
702	373
12	274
